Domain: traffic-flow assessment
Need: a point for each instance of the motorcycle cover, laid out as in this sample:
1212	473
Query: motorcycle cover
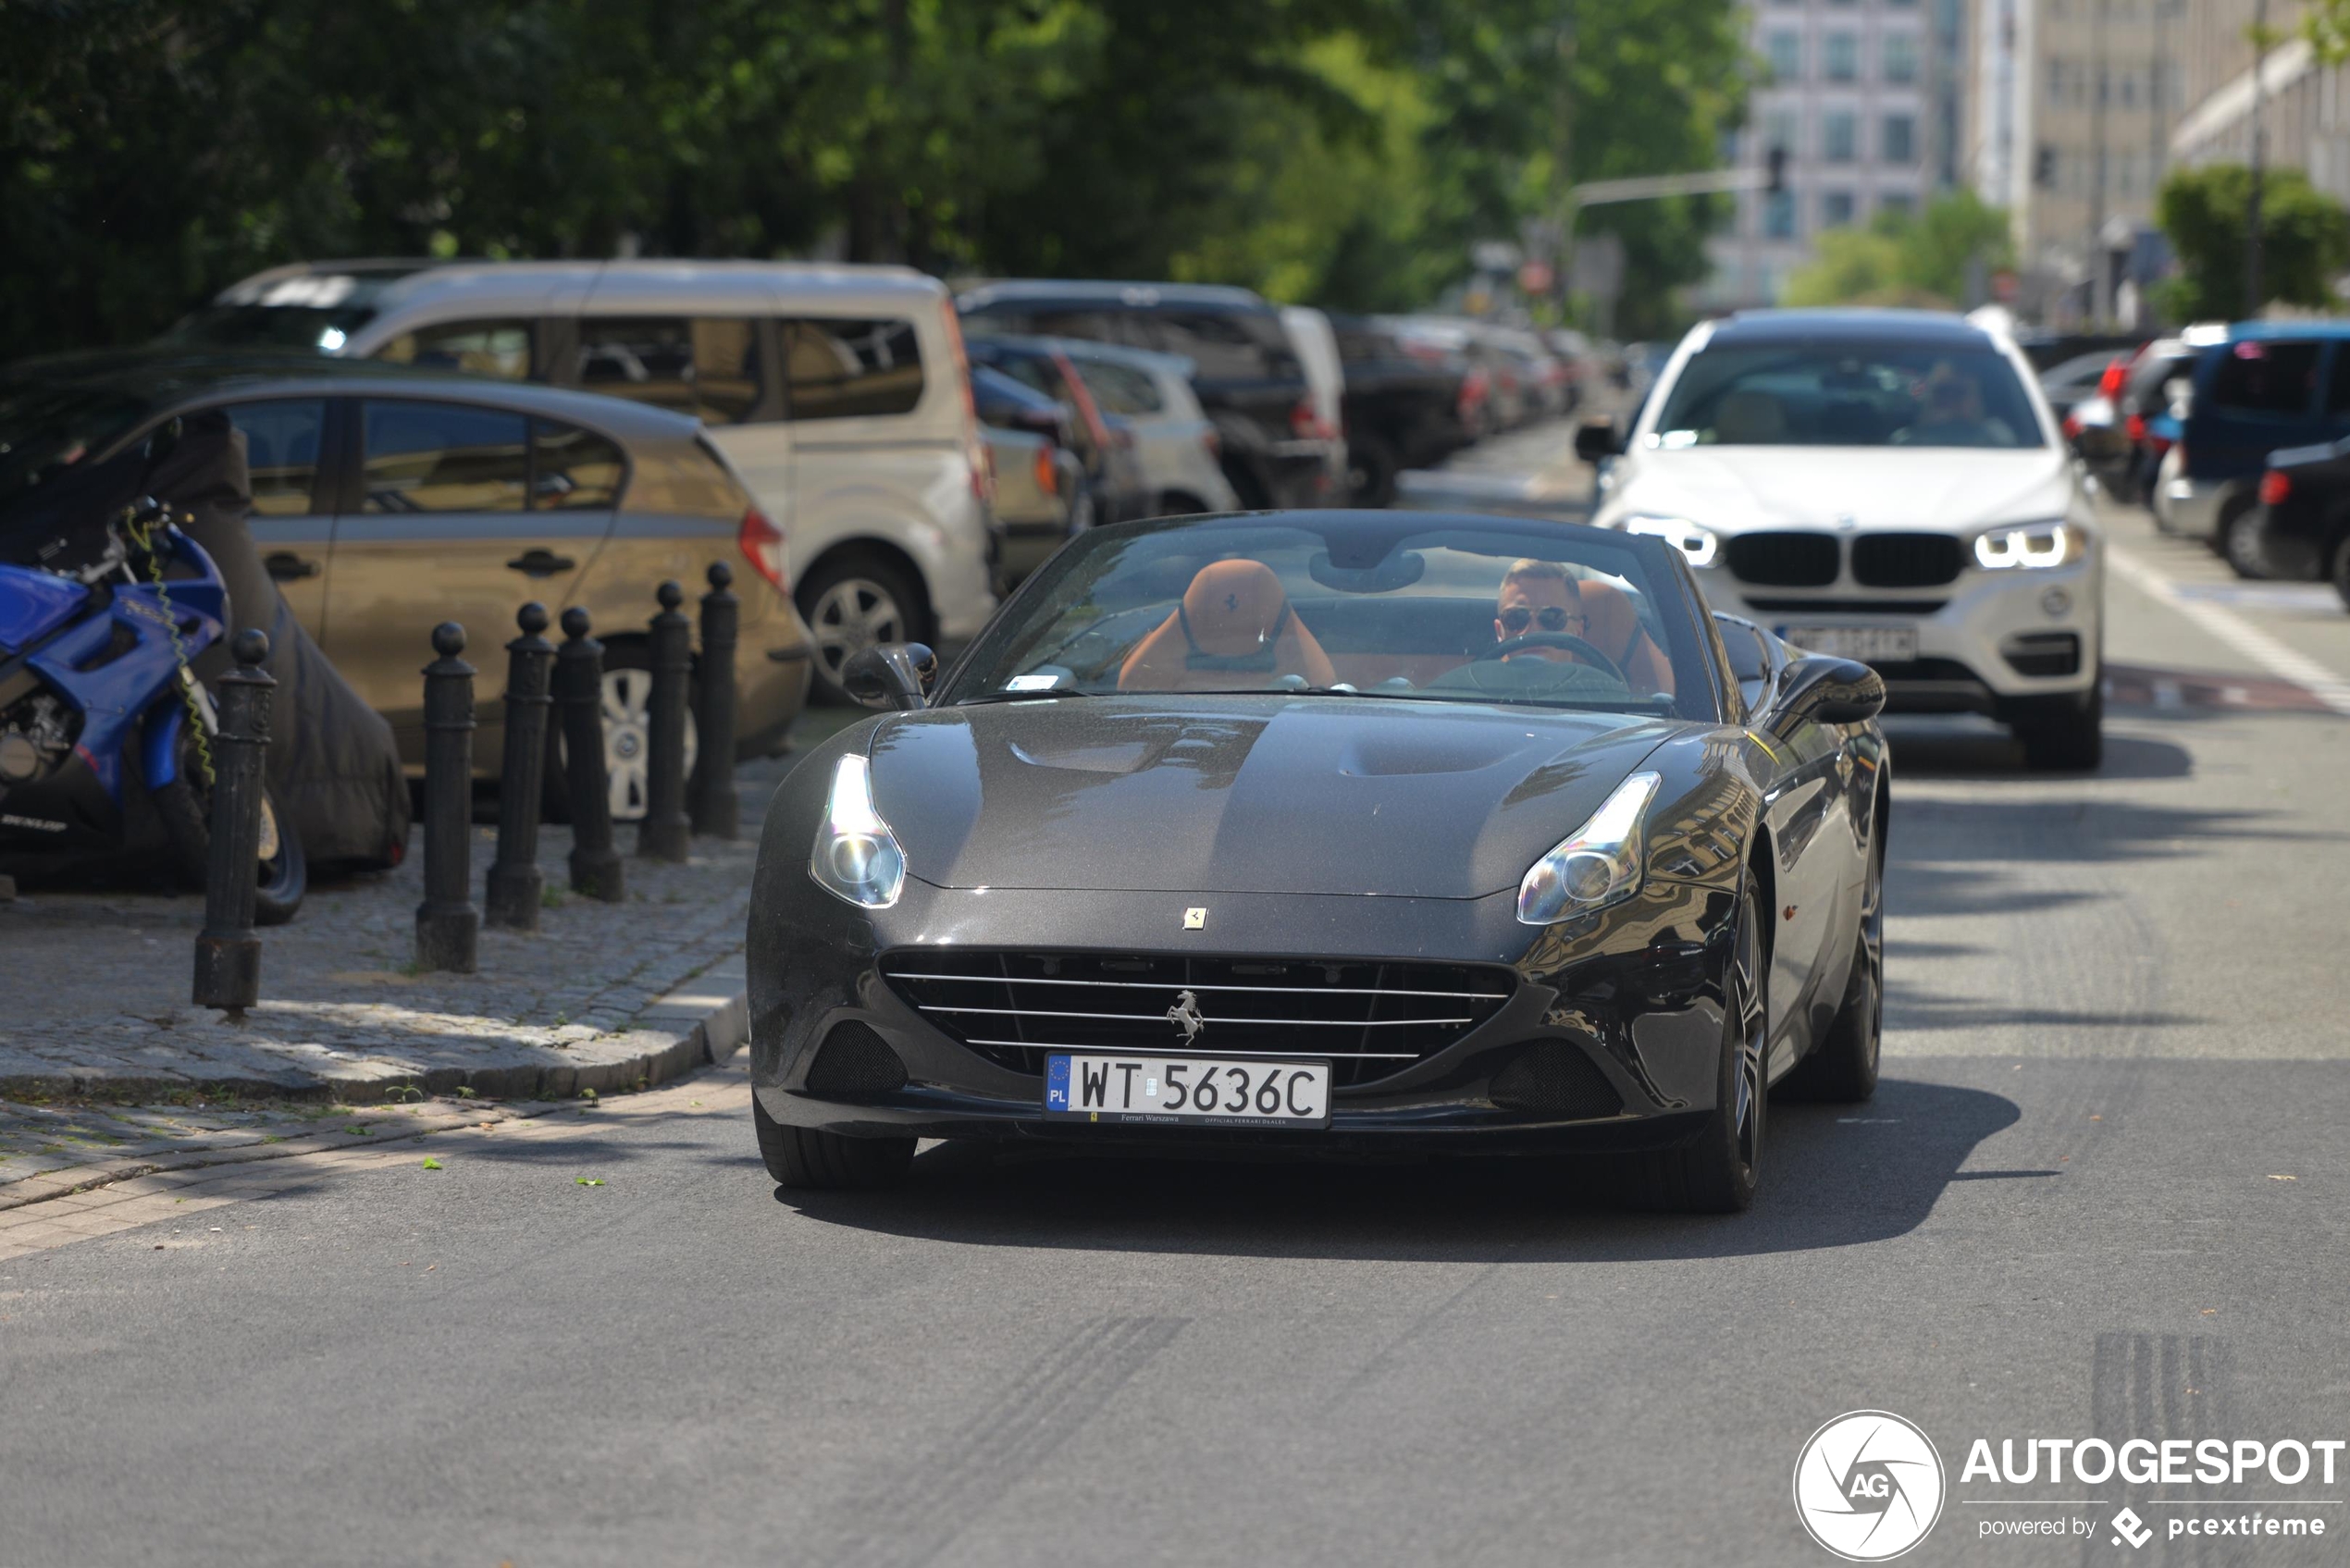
331	757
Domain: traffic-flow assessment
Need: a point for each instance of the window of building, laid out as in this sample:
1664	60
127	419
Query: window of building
1898	143
2055	82
1778	216
1835	209
1901	62
845	369
1840	56
1839	136
1784	49
1781	128
1898	203
442	457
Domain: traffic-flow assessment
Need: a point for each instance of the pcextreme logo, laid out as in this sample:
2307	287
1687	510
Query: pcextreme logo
1867	1486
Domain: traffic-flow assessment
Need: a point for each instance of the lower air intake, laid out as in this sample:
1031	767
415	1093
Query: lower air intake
1556	1077
854	1060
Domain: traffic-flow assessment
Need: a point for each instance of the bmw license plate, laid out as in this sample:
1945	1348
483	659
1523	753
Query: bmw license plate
1188	1089
1871	645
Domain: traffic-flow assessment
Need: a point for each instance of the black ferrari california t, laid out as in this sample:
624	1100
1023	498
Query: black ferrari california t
1343	832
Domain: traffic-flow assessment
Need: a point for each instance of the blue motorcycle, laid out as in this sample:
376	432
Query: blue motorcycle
98	700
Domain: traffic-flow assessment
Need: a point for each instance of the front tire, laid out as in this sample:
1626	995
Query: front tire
804	1157
2062	734
1715	1172
1844	1069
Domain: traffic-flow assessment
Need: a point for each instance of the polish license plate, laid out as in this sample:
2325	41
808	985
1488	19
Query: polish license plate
1194	1090
1871	645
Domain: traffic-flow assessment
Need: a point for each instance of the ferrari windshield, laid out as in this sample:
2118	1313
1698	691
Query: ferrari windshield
1456	611
1883	394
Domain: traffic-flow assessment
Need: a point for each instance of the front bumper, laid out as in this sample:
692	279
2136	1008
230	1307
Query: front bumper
1636	989
1984	640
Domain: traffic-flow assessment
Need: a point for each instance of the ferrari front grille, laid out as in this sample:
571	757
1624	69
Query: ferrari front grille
1786	560
1368	1019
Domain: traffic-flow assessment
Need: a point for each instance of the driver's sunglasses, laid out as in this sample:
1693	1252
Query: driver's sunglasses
1515	620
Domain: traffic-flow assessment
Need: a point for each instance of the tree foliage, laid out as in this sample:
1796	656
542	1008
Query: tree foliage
1343	150
2304	240
1921	260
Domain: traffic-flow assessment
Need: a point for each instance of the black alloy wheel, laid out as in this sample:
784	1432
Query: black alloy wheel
853	602
1844	1069
1715	1171
805	1157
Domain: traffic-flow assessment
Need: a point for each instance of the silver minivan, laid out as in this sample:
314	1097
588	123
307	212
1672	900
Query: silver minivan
838	394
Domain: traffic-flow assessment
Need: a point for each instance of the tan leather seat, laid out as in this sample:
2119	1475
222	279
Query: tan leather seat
1234	630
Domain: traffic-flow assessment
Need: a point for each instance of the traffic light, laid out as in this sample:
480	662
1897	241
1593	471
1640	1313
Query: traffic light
1775	161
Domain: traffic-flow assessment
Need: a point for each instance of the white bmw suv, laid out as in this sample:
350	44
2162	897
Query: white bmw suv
1884	485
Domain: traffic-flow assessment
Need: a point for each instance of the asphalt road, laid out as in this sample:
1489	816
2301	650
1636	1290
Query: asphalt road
2115	1028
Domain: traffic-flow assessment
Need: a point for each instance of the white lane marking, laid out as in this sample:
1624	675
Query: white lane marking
2238	632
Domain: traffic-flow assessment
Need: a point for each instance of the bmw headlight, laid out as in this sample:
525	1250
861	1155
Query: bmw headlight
2032	544
1696	542
1601	864
856	856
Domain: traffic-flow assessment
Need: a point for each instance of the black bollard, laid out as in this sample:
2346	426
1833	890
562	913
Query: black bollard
579	685
666	833
227	952
514	880
715	809
447	922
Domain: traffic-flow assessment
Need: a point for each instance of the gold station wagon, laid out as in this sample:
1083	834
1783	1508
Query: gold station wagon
386	501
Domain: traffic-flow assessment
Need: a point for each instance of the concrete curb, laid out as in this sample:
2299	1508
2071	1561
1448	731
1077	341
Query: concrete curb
705	1020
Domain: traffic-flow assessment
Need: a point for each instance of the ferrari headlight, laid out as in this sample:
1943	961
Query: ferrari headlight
2033	544
1698	543
1600	865
856	856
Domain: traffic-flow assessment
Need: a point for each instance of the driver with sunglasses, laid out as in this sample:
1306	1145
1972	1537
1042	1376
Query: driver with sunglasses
1539	596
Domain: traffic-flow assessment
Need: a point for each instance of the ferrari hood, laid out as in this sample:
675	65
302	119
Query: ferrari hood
1731	489
1320	795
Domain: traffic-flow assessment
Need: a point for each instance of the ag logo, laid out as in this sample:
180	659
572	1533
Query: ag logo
1867	1486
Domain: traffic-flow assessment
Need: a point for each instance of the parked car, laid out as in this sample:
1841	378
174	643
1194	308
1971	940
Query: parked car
1244	368
2301	528
1317	345
2153	397
1885	486
1581	362
386	501
2266	386
1435	341
1113	471
1039	488
1542	377
1402	410
2076	380
1150	395
838	393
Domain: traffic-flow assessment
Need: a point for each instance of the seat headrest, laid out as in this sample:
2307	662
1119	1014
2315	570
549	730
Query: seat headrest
1235	607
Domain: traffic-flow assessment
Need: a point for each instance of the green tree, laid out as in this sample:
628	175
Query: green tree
1921	260
2304	240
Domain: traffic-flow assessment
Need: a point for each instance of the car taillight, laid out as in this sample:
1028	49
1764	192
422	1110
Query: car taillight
2274	488
1048	478
2109	384
2136	425
2071	426
1214	441
1304	423
762	544
1475	387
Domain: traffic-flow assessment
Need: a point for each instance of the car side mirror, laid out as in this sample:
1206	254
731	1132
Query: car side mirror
1596	440
894	675
1818	689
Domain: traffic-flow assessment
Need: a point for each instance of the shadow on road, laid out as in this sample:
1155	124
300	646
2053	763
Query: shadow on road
1837	1175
